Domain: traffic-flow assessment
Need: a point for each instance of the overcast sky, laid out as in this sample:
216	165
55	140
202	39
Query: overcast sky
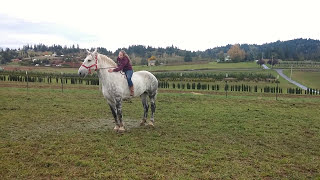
191	25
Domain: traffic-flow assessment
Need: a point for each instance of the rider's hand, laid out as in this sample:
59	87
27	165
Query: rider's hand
110	70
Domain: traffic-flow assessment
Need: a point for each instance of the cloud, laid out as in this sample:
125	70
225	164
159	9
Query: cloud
191	25
15	32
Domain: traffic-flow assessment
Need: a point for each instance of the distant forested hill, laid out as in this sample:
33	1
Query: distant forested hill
297	50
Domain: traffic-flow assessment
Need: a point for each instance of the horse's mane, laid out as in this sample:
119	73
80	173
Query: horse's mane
106	60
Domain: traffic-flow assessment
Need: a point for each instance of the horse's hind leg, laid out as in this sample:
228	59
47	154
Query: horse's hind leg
145	108
114	113
153	108
119	114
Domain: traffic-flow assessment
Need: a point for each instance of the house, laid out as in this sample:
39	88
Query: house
56	62
151	62
227	58
72	64
15	60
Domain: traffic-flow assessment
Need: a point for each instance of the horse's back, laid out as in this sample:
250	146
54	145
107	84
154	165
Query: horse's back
145	80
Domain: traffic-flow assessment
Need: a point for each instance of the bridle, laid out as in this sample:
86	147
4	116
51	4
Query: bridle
95	64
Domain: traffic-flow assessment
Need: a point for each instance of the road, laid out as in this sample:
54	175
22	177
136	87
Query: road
280	72
265	66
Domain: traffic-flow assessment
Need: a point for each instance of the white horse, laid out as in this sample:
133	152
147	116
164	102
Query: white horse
115	87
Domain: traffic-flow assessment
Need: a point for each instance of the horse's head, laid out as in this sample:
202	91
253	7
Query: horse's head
89	64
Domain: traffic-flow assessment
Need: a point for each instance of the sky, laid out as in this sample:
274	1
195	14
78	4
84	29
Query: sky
191	25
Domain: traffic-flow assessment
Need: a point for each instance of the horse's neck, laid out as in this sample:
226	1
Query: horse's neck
104	62
106	77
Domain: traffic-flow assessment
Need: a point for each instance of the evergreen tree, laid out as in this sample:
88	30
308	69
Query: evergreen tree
187	57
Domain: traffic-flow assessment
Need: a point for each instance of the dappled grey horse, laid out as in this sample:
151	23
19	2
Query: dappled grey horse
115	87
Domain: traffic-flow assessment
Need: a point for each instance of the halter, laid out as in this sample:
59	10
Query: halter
89	67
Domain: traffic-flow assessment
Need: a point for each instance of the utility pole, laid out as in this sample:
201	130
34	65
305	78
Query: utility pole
61	82
226	86
27	81
291	71
277	87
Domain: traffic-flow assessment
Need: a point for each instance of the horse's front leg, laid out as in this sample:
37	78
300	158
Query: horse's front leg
119	114
114	113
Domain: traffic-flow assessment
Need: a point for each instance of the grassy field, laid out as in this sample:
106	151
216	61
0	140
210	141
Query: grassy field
308	78
46	134
211	65
41	69
283	83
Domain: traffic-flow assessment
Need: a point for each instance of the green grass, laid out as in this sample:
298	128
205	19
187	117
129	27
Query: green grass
308	78
47	134
298	65
283	83
42	69
211	65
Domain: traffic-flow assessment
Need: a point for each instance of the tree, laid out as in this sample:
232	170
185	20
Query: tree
260	62
144	61
2	60
221	56
152	58
273	62
187	57
7	55
236	54
45	61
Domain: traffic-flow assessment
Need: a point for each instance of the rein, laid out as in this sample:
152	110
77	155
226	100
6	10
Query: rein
96	65
121	72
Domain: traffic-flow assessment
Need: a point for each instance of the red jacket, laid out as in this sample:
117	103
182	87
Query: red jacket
123	64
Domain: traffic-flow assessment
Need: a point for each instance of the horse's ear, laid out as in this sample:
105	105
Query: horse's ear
95	51
88	51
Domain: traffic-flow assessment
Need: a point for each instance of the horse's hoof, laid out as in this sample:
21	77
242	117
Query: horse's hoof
151	124
116	128
143	123
121	129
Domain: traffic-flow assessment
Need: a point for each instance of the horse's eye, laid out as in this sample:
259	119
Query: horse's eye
89	60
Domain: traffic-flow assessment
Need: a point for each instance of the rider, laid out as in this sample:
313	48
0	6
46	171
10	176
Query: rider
124	64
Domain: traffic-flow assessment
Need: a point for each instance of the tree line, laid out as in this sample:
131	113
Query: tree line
293	50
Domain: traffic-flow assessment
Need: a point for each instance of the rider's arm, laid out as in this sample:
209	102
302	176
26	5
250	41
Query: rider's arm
123	62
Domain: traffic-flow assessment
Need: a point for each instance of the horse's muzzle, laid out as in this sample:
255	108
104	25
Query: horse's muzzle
82	73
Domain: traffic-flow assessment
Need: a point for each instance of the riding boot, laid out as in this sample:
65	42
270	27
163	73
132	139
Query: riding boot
131	91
